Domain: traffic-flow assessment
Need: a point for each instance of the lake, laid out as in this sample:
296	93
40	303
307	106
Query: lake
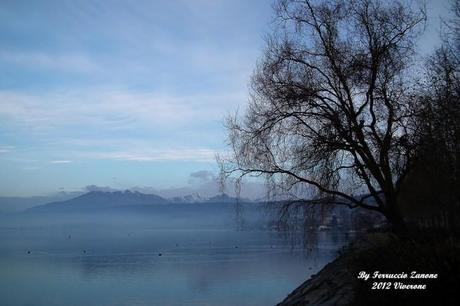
147	266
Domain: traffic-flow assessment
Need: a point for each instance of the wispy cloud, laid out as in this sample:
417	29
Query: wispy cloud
40	60
60	162
198	155
6	149
113	109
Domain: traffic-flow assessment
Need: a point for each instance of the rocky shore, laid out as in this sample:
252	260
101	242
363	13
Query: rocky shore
331	286
338	284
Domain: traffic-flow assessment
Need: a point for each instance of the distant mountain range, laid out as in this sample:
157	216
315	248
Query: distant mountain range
127	200
110	200
117	207
101	199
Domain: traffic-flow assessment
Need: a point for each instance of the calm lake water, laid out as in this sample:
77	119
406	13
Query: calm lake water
82	266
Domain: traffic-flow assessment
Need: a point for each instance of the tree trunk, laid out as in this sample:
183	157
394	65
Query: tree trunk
397	221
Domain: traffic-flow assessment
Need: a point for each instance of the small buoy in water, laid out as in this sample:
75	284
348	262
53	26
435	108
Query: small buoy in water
28	252
84	251
236	246
159	254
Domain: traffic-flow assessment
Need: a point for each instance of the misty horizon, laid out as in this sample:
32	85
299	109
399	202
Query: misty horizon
205	188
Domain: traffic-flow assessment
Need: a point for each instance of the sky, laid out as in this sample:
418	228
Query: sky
126	93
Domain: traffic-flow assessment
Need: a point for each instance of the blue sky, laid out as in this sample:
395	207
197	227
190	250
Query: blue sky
124	93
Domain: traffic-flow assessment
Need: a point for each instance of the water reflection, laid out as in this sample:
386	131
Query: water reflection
196	267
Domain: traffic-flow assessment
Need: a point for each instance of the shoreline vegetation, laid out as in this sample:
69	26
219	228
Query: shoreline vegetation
384	269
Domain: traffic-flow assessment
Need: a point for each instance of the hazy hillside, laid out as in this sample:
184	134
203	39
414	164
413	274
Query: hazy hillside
135	208
100	200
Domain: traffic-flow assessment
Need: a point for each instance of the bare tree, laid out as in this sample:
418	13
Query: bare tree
330	104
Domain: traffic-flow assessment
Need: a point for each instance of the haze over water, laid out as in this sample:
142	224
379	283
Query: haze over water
143	265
